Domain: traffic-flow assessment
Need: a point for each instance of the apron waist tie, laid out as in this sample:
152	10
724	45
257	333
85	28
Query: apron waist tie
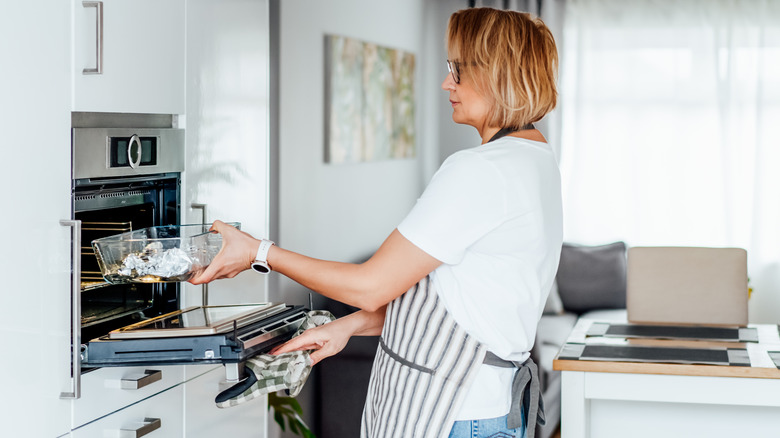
526	393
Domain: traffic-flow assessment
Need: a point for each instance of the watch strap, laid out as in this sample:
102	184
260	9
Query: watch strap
261	263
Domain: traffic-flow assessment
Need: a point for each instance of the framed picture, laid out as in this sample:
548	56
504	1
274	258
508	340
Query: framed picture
369	101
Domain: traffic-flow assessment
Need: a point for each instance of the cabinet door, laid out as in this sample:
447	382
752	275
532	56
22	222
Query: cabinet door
35	260
202	417
138	48
109	389
156	417
227	129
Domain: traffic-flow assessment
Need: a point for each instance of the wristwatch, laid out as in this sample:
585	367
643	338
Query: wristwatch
260	264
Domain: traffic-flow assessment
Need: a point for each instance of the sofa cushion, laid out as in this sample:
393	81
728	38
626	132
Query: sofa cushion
592	277
553	305
555	329
551	334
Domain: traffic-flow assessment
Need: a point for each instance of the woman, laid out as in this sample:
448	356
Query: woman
456	291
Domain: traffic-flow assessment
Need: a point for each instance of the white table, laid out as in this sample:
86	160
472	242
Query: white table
604	399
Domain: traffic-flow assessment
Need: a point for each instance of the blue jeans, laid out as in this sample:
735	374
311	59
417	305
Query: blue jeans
487	428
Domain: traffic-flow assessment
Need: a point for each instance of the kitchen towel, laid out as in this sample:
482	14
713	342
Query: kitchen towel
270	373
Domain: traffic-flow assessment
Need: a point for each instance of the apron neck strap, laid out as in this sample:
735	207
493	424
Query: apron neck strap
506	131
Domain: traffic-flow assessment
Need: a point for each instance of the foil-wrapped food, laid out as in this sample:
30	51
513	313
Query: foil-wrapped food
155	261
172	253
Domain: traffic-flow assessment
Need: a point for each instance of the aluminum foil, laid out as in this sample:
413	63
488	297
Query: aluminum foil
154	260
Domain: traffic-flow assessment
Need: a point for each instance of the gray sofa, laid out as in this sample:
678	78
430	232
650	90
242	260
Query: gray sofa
591	282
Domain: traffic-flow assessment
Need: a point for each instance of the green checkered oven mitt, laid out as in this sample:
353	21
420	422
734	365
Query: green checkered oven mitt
268	373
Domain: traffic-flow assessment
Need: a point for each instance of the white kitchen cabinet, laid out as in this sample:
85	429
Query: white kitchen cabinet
41	84
157	417
109	389
203	419
227	129
138	48
36	256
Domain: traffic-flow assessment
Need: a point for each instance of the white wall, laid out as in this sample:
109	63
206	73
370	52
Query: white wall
344	212
337	212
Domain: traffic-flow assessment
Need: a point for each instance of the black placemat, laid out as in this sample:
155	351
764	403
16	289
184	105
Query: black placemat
728	334
775	356
653	354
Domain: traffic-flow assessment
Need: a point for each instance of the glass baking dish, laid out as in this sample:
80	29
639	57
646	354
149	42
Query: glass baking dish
165	254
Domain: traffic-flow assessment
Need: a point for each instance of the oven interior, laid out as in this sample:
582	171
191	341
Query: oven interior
109	206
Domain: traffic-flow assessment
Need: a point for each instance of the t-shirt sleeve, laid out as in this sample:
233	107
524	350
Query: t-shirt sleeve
464	200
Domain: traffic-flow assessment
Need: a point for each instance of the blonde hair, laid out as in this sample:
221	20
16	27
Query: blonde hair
512	60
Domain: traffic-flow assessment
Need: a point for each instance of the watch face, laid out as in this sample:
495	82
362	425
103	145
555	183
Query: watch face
261	267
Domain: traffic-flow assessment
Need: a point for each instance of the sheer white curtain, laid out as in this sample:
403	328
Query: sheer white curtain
670	128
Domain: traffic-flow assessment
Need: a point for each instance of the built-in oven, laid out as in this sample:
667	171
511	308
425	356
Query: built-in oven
127	175
124	178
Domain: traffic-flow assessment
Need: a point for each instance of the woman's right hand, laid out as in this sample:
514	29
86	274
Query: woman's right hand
237	253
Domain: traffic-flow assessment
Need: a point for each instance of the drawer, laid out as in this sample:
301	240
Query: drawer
110	389
203	419
160	416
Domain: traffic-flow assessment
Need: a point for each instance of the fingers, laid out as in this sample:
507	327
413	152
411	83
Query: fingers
220	227
318	351
207	275
303	342
238	249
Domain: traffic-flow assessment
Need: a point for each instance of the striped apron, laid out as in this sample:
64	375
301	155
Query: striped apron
423	367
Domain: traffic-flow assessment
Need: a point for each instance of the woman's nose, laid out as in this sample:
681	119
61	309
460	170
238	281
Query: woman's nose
449	83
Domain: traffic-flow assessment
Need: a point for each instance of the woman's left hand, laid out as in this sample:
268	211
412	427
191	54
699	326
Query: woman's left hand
328	339
238	251
324	341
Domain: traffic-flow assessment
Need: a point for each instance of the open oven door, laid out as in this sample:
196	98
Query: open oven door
228	334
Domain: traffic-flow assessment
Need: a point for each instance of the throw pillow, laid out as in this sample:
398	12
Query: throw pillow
592	277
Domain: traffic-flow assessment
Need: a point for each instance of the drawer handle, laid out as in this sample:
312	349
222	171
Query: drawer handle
148	425
149	377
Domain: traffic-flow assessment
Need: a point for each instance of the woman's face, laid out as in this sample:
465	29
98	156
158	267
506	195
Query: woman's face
468	106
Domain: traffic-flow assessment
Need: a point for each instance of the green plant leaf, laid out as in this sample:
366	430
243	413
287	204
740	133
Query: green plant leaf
288	408
279	418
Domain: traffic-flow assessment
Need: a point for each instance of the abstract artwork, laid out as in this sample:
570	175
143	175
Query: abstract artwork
369	101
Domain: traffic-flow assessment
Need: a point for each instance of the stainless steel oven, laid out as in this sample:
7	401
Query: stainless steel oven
124	178
127	174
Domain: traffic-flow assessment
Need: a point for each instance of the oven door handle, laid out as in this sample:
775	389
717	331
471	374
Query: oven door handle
75	307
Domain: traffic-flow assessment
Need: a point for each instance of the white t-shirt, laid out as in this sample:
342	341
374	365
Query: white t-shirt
492	216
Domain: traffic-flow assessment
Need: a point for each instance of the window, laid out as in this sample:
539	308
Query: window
670	128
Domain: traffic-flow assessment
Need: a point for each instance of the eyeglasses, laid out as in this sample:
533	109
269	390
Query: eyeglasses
454	69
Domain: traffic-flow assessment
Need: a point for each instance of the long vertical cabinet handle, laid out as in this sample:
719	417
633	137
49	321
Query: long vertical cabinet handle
205	287
98	70
75	319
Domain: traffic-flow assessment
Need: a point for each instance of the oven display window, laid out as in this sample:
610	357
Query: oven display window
121	157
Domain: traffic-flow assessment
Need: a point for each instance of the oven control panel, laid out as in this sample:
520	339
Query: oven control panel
133	151
112	152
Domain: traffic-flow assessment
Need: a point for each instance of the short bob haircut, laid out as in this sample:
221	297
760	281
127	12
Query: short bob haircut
511	59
